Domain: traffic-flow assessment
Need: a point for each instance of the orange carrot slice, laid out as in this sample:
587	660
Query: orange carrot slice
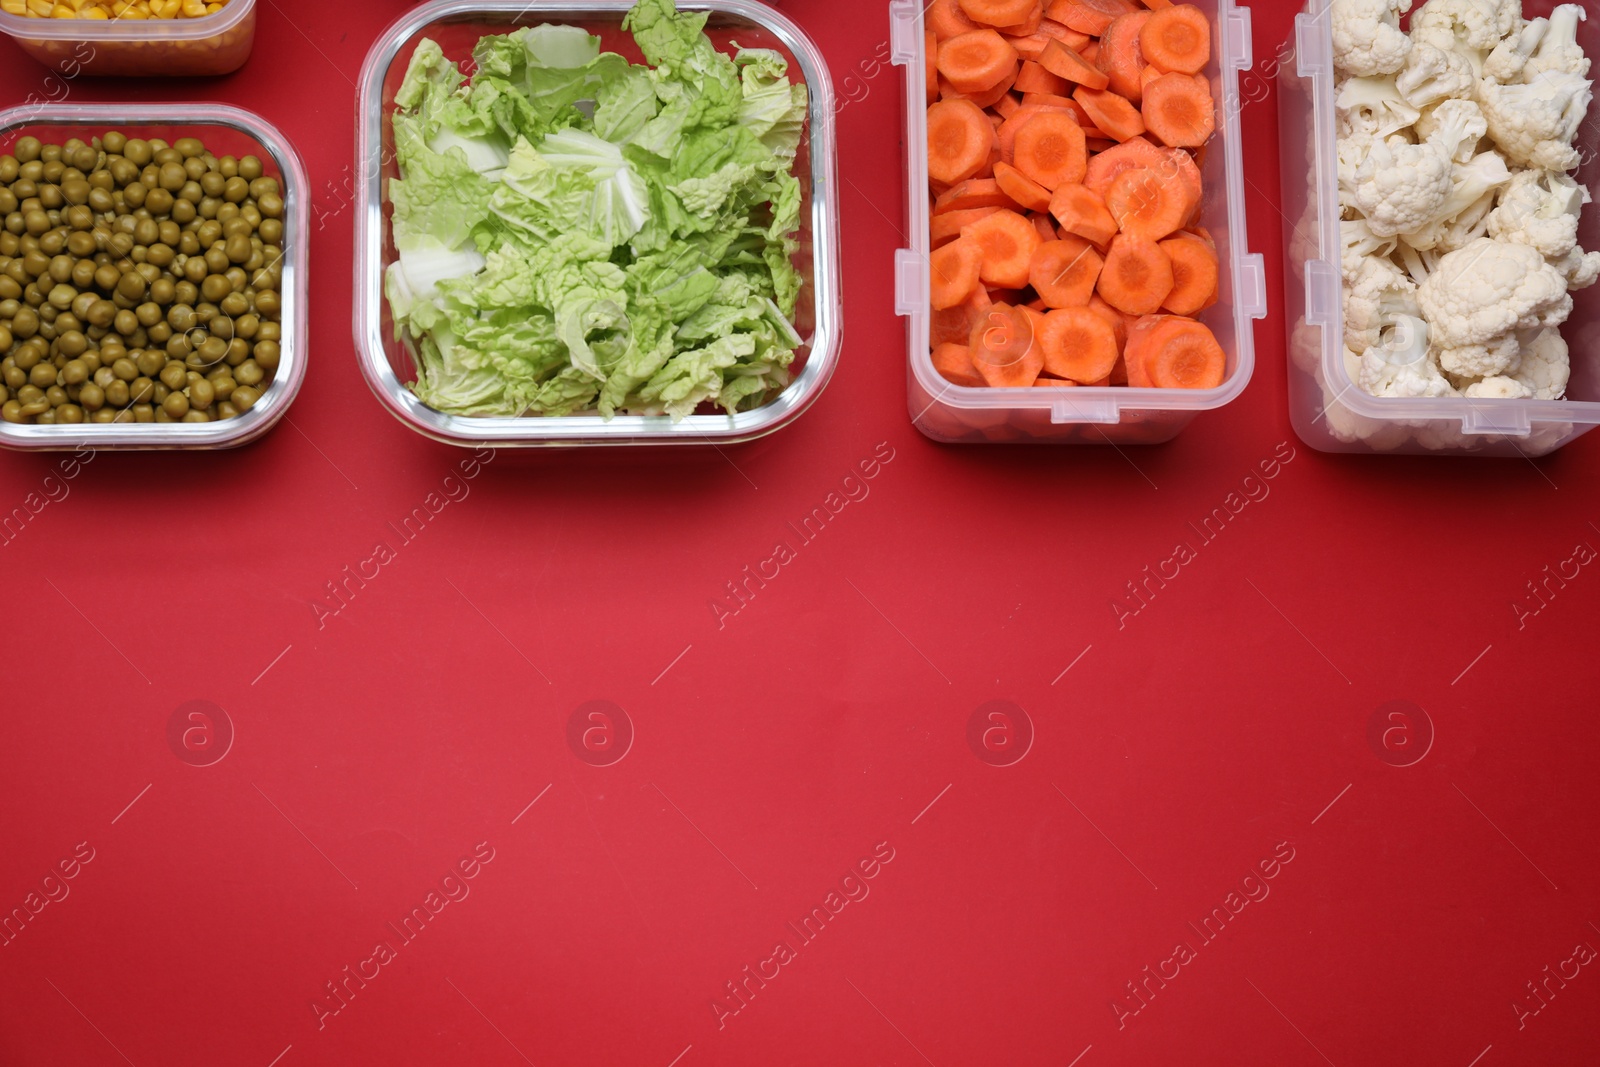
1003	348
960	140
1033	78
1082	212
954	364
1078	344
986	99
1119	322
1007	106
1121	57
1195	274
953	272
970	195
1008	242
1021	188
1051	149
1064	273
1088	16
1179	111
1063	62
931	51
998	12
1063	33
1054	383
1144	205
978	61
954	325
1171	352
946	19
1111	113
947	227
1137	276
1177	38
1045	226
1169	163
1028	25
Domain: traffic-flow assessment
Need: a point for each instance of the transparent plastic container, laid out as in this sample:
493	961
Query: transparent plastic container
947	412
1330	411
457	25
216	44
225	131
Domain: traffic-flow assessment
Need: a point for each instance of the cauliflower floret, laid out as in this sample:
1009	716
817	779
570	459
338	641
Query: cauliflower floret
1535	124
1540	209
1433	74
1472	28
1560	52
1400	365
1401	186
1359	244
1580	268
1489	288
1497	387
1373	300
1546	365
1464	210
1482	361
1458	125
1510	57
1367	38
1372	107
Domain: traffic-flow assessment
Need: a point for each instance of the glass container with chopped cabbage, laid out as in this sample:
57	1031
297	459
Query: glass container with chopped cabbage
577	233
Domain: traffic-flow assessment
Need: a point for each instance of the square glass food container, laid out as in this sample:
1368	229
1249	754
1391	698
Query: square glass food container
216	44
1330	410
457	25
1120	415
225	131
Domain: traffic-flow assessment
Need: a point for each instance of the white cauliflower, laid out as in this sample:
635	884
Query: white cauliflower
1367	38
1359	244
1418	264
1580	268
1457	124
1373	300
1481	361
1545	366
1540	209
1433	74
1399	366
1534	124
1560	52
1463	210
1497	387
1510	57
1400	186
1489	288
1373	108
1471	28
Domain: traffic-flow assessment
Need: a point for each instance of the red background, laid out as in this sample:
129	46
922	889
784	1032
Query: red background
774	753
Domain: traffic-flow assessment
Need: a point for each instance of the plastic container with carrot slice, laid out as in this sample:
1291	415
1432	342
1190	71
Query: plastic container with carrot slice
943	401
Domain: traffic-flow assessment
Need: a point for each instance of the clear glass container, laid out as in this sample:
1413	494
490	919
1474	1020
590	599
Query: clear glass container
1330	411
216	44
225	130
457	25
948	412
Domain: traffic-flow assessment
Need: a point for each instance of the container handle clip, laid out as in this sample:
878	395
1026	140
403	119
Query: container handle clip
1241	44
903	36
910	283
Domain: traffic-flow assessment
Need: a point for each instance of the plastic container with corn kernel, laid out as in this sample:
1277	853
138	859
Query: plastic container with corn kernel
217	43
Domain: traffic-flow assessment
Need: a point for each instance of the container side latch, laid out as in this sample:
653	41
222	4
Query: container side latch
910	283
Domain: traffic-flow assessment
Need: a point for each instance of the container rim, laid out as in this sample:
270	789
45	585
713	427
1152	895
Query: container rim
1325	286
576	430
291	374
122	30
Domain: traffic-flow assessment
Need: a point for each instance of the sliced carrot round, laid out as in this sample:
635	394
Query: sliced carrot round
1082	212
953	272
1111	113
1146	205
1119	322
1078	344
960	141
1063	62
947	227
1019	187
1003	347
954	364
1137	277
1121	57
946	19
954	325
1045	226
1065	272
1172	164
1051	149
999	12
972	194
1008	242
1033	78
1179	111
978	61
1177	38
1195	274
1089	16
1171	352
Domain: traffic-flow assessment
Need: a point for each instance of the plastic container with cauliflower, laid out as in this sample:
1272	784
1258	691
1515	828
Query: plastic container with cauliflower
1330	409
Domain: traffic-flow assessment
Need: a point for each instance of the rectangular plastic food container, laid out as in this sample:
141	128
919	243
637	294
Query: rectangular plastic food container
947	412
1330	410
457	25
225	131
216	44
